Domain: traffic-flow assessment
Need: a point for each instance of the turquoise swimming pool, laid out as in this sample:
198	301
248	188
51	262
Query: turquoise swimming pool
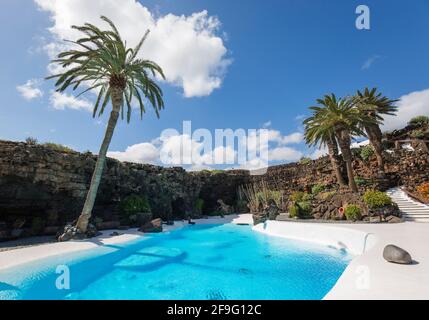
195	262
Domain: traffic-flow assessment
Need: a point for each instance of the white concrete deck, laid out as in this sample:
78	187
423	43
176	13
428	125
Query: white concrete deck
367	277
370	277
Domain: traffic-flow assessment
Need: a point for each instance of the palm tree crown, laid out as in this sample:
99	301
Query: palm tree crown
375	104
102	62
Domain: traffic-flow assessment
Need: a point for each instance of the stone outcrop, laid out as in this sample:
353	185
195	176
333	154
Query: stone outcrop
153	226
43	189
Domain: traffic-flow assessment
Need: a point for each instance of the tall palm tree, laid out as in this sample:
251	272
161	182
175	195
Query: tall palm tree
101	61
374	105
317	134
343	118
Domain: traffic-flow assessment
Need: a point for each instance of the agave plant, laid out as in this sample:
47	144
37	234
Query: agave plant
101	60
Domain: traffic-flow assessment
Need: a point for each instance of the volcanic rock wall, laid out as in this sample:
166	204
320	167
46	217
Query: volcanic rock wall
40	185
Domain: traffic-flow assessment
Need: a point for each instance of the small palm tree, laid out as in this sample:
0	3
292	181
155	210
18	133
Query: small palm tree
374	105
343	118
318	134
102	61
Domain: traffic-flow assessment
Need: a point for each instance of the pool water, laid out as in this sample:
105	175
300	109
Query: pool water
195	262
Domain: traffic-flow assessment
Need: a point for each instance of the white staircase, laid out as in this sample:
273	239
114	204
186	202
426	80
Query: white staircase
412	210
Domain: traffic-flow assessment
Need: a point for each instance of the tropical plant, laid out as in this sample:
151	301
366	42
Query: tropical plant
374	105
300	209
376	199
317	188
419	121
362	182
297	196
293	210
353	212
259	195
337	118
324	136
366	152
101	61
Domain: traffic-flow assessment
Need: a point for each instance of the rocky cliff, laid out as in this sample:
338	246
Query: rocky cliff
41	187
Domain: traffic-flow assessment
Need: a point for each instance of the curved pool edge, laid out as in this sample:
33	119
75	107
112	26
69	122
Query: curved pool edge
368	276
355	242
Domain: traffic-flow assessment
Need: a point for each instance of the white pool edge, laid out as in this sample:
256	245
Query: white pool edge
355	242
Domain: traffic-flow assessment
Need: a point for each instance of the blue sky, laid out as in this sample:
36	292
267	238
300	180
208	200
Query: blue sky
273	60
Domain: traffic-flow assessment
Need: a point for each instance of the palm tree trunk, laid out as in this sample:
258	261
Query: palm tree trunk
117	100
335	160
375	136
344	141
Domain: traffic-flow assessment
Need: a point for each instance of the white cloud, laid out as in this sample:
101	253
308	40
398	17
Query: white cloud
188	48
175	149
266	124
61	101
139	153
318	153
277	136
370	61
30	90
284	154
409	106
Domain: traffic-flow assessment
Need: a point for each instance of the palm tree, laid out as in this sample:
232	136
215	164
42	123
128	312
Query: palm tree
101	61
343	118
374	105
318	134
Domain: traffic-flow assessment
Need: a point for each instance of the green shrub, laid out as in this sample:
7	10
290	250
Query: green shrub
376	199
317	188
353	212
305	160
304	209
327	195
418	134
300	209
297	196
366	152
199	204
134	204
307	197
57	147
31	141
419	121
294	211
362	182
